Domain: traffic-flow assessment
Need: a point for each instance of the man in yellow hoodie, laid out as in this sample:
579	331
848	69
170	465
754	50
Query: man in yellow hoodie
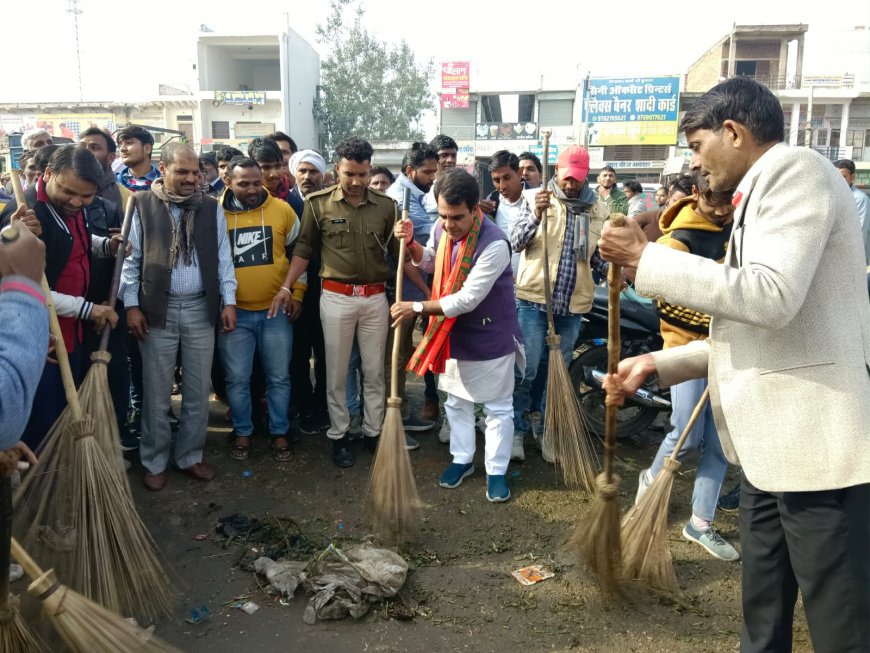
262	230
699	224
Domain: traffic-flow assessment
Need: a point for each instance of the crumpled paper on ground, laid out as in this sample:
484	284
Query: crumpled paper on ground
343	582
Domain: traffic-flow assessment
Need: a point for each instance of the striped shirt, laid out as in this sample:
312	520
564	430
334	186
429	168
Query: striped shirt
524	230
186	279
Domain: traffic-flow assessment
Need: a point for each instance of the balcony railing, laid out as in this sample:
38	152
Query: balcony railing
784	82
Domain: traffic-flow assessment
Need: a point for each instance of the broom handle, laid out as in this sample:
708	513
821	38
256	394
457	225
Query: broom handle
29	564
614	345
400	276
5	537
69	385
119	263
548	291
692	419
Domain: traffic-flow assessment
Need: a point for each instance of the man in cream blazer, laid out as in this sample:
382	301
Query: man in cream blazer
787	362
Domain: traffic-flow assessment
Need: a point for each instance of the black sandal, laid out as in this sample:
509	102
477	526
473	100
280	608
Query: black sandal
240	452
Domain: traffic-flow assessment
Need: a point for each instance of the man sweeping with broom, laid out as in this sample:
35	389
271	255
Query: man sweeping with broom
474	338
787	363
574	219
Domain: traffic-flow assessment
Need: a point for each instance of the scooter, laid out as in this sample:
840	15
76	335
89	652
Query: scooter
639	326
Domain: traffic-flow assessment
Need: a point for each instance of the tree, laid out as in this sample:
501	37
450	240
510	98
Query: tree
369	88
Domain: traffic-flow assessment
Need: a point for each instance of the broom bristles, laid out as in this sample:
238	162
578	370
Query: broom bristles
88	627
96	400
15	636
596	539
646	554
75	513
392	493
565	432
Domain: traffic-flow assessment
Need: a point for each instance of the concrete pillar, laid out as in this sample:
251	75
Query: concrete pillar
799	66
844	124
795	124
732	51
781	80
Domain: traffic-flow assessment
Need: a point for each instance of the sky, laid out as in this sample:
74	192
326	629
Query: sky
125	57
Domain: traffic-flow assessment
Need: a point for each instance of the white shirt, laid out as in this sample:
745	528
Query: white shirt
506	217
478	381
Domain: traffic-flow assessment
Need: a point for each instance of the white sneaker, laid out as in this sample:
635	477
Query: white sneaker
643	483
15	572
444	433
517	452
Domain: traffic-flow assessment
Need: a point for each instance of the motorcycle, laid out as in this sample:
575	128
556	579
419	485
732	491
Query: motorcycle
639	328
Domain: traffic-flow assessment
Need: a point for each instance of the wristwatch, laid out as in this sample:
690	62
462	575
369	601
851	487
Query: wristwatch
418	307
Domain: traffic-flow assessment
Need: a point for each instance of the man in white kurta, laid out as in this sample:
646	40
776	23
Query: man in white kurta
474	337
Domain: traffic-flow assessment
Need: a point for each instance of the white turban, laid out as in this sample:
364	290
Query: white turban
307	156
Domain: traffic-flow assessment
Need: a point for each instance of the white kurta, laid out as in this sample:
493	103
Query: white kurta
477	381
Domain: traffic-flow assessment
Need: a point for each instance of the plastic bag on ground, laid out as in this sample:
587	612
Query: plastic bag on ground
349	582
284	577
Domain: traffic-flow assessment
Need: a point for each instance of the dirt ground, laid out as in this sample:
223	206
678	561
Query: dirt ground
460	579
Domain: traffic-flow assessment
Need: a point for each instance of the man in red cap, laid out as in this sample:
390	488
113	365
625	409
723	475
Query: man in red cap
574	220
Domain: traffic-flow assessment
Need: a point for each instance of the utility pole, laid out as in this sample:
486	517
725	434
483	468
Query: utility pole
75	11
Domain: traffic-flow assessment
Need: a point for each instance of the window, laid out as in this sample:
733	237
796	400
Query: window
507	107
220	129
822	137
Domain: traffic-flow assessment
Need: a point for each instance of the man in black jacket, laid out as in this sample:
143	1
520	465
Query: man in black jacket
63	200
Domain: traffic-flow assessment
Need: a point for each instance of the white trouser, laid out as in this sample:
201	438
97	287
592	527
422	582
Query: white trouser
499	432
367	318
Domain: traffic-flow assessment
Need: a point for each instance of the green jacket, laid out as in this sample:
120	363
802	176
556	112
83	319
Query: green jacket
617	202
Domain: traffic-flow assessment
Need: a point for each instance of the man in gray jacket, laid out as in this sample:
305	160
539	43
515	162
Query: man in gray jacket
787	364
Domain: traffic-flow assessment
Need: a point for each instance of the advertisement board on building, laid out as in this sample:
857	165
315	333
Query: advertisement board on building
633	110
70	125
455	84
239	97
506	131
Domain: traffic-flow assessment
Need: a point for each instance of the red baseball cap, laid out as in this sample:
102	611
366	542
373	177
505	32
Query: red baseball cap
573	162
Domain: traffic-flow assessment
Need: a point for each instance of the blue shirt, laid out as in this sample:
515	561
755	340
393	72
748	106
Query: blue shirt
422	225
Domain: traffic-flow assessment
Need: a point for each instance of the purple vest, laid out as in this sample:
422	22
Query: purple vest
488	332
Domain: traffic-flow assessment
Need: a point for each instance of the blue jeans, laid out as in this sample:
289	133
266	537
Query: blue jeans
274	341
703	438
533	323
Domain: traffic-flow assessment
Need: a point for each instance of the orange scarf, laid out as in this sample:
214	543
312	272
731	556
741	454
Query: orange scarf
434	349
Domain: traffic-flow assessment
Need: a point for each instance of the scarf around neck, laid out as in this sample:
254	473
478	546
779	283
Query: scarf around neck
578	207
182	241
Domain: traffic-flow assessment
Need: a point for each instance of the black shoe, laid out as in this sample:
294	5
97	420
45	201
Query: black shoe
342	456
129	442
372	443
321	418
730	501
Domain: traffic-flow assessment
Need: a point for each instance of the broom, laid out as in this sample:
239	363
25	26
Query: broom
597	538
644	527
15	637
85	626
73	508
94	393
392	491
565	434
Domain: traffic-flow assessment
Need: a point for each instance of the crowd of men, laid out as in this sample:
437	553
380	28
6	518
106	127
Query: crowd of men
244	270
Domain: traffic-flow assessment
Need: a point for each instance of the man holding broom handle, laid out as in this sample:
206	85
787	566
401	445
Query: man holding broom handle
574	219
473	337
787	363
